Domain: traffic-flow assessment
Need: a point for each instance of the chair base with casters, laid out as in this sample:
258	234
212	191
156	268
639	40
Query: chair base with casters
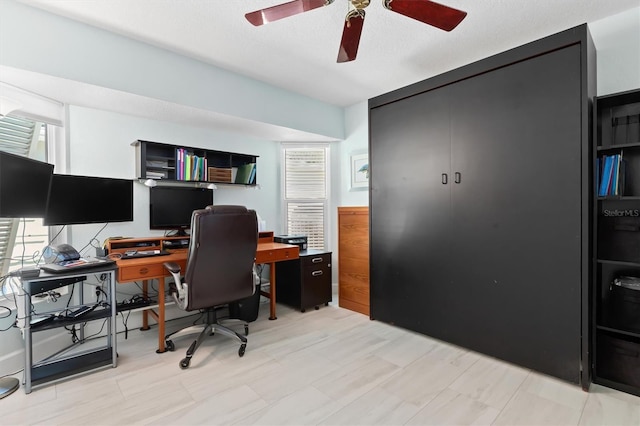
208	329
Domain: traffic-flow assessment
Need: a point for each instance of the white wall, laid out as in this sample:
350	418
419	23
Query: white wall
356	141
34	40
617	42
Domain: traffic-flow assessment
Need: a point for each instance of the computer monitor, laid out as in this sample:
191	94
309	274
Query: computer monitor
84	199
170	208
24	186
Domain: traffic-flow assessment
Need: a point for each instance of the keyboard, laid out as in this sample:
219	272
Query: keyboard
135	254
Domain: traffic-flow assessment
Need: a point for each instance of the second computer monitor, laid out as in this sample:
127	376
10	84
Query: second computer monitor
85	199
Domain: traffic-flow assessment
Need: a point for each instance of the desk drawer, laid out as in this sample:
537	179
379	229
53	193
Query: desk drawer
141	272
268	256
145	271
316	262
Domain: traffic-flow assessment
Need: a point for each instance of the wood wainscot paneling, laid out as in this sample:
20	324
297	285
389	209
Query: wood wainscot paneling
353	258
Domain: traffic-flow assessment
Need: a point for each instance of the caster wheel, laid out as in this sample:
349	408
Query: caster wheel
246	330
317	307
243	347
326	303
184	364
168	344
302	310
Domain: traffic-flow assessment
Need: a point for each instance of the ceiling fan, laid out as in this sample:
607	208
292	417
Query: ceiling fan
432	13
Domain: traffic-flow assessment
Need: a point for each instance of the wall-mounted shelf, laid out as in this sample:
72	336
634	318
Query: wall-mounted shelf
167	164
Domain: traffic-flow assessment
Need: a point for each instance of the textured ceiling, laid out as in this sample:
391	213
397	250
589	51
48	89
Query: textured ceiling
299	53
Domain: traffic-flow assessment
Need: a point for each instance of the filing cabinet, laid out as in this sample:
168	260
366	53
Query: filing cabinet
305	282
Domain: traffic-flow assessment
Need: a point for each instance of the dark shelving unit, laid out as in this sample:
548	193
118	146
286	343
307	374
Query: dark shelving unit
160	161
616	312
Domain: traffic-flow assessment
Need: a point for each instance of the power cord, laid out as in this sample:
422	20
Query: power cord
125	320
74	335
135	300
97	333
95	238
51	296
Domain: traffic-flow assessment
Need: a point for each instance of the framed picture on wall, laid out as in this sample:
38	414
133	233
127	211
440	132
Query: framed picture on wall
359	171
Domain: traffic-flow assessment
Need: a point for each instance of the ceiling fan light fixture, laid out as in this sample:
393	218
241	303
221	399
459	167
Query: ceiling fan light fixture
429	12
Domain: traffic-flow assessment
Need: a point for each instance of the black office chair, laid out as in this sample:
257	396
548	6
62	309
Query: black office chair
219	270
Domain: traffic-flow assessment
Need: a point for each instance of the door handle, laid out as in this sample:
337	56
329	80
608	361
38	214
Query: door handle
445	179
457	177
316	273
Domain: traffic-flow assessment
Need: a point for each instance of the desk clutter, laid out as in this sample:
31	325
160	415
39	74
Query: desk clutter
70	316
133	254
131	248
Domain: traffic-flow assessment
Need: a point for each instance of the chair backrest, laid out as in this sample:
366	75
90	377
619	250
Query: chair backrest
222	252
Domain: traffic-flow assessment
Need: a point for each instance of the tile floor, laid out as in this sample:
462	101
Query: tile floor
325	367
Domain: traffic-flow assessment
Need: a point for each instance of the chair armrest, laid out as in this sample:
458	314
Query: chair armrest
180	293
172	267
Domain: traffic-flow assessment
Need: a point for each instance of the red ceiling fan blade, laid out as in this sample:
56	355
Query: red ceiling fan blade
432	13
351	36
270	14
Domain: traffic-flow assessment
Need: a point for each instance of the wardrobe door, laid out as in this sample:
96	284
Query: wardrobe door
410	206
516	196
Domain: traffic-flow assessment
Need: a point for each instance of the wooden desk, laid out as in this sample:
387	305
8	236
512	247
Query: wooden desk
148	268
268	253
145	269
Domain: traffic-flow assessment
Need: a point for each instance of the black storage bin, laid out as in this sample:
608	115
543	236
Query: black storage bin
618	236
619	359
246	309
625	302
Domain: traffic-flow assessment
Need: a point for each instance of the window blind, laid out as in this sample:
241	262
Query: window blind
16	136
305	193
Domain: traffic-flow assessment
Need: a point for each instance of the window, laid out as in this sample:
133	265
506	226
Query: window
21	239
305	181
